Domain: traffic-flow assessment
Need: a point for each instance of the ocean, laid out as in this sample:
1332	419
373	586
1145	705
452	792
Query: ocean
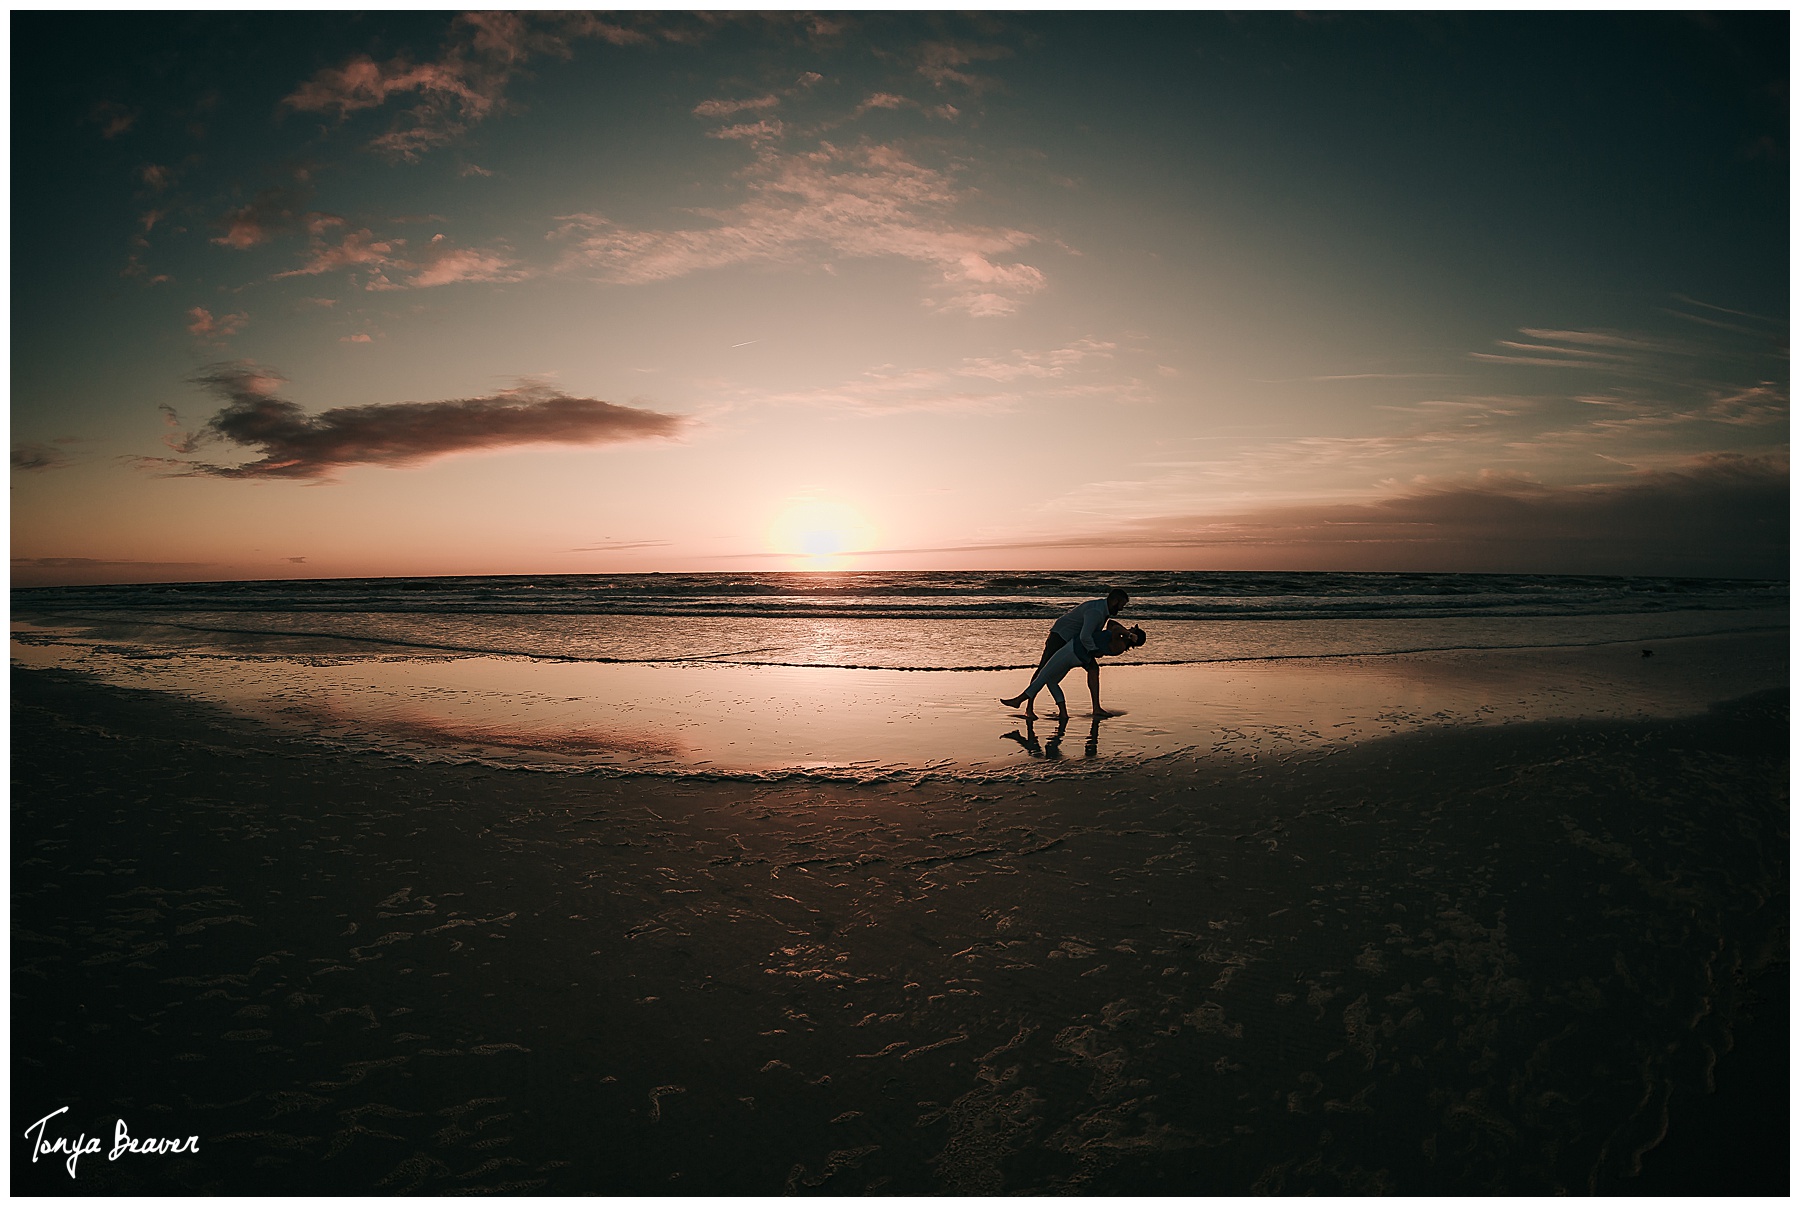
890	671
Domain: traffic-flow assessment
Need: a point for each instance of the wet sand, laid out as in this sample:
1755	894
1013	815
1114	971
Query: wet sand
1506	958
679	717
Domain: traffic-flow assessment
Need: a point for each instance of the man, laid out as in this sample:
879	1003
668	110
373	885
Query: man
1085	625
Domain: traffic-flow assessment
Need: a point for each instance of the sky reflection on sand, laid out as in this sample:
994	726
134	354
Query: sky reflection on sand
761	718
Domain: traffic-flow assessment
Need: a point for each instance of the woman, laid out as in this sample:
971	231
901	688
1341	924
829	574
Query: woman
1119	639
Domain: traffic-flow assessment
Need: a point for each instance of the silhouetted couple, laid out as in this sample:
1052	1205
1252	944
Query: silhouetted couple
1084	634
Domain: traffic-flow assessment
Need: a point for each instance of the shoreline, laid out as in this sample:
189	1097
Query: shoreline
1307	973
134	626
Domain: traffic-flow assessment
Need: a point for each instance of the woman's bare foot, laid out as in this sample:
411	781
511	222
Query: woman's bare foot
1014	702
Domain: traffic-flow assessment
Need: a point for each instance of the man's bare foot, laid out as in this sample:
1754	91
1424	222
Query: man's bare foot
1014	702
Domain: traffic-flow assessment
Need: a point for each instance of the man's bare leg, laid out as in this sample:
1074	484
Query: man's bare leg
1094	691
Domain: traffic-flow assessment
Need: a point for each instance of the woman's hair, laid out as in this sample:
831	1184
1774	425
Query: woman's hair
1136	635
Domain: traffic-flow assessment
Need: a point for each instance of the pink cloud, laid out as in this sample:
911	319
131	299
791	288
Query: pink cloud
388	268
134	267
466	264
362	83
889	100
113	118
273	211
355	249
727	108
482	53
464	86
358	338
865	202
203	326
450	96
755	131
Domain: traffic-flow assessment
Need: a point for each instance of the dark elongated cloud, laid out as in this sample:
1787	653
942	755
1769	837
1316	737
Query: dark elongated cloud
296	445
1717	515
38	456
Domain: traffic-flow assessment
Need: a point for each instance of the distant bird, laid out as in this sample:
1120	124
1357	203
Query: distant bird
1647	653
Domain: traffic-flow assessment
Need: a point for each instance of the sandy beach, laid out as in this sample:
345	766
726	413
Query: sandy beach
1458	959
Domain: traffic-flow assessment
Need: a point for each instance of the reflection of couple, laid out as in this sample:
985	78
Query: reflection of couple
1084	633
1051	747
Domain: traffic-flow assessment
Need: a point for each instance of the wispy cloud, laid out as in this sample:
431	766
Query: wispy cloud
609	546
865	202
386	264
971	385
331	251
762	131
446	265
1743	314
887	390
1056	362
726	108
295	445
943	63
1628	421
1641	354
1648	395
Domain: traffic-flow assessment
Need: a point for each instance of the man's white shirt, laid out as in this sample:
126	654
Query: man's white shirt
1083	623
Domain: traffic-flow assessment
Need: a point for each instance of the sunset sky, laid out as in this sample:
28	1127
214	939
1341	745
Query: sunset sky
341	294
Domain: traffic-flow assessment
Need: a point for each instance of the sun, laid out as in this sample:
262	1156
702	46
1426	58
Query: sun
819	532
